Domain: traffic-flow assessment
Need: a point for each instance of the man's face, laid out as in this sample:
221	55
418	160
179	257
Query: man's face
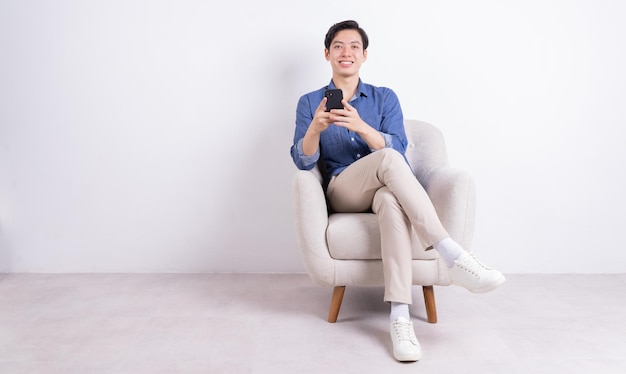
346	53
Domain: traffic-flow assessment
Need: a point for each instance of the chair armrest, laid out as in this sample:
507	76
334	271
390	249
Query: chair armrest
453	194
311	222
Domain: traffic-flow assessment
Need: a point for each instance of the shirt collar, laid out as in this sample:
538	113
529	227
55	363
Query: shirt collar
361	90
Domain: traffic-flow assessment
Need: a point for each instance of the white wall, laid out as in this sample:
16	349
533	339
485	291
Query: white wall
148	135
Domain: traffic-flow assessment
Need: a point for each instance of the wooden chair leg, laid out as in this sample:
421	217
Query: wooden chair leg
429	300
335	303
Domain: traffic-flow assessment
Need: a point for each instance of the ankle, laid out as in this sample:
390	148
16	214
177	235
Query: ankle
448	250
399	310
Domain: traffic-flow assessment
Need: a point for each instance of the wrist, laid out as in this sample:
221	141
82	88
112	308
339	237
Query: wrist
365	129
313	131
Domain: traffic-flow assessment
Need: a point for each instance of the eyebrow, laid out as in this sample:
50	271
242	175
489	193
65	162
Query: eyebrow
352	42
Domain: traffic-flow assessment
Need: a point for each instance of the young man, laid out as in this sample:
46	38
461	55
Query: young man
362	149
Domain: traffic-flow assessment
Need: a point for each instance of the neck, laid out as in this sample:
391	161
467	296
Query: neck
348	85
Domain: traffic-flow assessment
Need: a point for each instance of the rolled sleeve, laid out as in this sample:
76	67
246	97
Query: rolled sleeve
388	141
304	161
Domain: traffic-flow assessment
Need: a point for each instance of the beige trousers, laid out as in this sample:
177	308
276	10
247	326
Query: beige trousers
383	181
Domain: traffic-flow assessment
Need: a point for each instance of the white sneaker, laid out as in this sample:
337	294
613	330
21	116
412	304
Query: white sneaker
405	344
468	272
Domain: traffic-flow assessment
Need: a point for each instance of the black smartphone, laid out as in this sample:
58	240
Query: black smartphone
333	99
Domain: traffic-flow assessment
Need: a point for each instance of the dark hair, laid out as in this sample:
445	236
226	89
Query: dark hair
345	25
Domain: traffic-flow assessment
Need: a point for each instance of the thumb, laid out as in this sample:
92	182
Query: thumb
322	105
346	105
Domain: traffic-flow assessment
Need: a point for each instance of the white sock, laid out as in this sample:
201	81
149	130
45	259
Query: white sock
449	250
399	310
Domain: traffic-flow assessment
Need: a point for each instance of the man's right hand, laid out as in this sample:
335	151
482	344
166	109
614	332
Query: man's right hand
319	124
321	118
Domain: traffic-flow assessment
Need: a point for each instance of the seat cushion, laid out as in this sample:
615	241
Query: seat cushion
356	236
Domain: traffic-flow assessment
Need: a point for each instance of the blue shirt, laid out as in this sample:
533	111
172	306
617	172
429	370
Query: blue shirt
339	147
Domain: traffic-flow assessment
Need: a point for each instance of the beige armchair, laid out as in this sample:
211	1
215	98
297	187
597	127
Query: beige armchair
343	249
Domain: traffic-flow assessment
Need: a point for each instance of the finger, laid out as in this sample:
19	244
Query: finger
337	117
345	112
322	105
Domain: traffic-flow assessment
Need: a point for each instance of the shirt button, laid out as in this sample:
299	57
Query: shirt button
358	155
352	139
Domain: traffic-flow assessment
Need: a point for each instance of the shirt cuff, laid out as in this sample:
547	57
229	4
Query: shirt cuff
388	141
307	160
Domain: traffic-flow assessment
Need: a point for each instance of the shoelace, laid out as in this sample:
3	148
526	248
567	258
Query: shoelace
472	264
404	332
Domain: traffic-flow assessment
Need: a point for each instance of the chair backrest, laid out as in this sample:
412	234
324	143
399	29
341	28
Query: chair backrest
426	149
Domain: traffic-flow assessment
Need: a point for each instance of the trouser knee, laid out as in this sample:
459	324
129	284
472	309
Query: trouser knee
385	198
391	155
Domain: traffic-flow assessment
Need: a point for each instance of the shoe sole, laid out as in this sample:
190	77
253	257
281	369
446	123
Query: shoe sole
409	358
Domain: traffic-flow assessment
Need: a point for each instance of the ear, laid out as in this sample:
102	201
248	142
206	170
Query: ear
364	55
327	54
